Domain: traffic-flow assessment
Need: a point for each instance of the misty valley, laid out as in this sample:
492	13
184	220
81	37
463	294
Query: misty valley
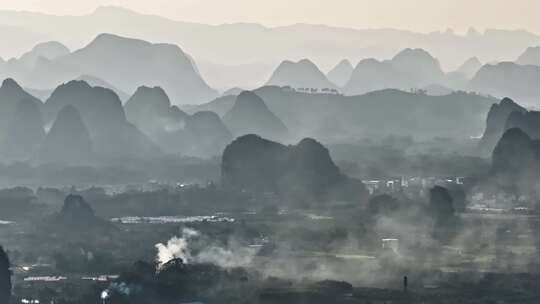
141	166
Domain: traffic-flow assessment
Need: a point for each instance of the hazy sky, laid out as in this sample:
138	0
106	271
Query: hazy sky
418	15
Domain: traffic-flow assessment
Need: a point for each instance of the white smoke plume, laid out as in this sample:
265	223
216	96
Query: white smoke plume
232	255
176	247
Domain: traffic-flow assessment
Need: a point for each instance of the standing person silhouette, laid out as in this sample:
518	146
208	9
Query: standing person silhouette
405	283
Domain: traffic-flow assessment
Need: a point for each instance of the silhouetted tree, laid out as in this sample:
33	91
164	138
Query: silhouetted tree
441	204
458	198
5	277
443	212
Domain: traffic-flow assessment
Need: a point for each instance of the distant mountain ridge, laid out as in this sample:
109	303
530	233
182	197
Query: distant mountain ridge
338	118
48	50
129	63
530	56
508	79
470	67
119	63
151	110
408	69
202	134
96	82
302	74
341	73
24	68
253	51
254	43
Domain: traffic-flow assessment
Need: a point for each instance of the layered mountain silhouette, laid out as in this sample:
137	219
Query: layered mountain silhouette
250	115
127	63
341	73
115	62
102	113
527	121
97	105
513	152
168	67
256	43
301	74
506	116
68	140
515	162
96	82
11	93
223	76
342	118
19	68
233	91
47	74
26	133
151	111
371	75
459	79
496	123
205	134
470	67
200	134
509	79
48	50
531	56
419	65
303	170
409	69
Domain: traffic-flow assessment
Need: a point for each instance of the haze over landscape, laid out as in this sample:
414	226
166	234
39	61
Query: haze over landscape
415	15
269	151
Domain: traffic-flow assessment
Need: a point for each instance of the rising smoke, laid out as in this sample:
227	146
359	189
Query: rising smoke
233	254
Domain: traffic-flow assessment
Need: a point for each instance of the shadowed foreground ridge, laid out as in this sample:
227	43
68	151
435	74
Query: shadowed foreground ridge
5	277
253	163
496	122
25	133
